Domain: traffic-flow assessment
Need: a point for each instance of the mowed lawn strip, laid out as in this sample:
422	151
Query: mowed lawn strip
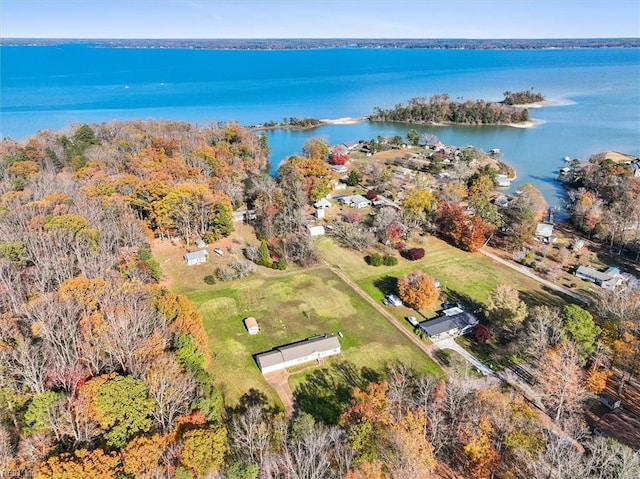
288	308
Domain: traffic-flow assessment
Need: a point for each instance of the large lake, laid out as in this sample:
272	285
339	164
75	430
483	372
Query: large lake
597	93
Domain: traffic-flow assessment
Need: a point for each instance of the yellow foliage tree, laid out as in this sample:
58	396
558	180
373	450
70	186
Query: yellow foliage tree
204	450
81	464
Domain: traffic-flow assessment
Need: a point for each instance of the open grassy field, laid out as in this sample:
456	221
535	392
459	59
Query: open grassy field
464	277
289	306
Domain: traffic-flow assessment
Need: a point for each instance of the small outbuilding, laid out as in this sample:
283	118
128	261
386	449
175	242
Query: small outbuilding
252	325
317	230
197	257
322	204
201	244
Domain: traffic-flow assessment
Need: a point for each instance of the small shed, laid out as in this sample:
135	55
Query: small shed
201	244
197	257
316	230
322	204
252	325
320	213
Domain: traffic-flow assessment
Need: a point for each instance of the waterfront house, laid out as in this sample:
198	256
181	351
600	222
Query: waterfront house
315	348
544	232
197	257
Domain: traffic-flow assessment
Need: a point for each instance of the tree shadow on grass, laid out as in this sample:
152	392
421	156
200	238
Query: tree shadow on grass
547	296
326	392
387	284
253	397
470	304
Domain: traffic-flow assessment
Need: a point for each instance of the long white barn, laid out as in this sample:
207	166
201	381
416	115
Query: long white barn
310	349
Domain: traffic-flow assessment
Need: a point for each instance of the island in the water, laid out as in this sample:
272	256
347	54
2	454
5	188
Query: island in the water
440	109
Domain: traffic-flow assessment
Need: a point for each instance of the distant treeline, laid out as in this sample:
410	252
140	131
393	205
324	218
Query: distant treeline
304	44
440	109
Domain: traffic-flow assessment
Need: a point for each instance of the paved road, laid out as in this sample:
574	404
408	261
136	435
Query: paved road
524	270
450	343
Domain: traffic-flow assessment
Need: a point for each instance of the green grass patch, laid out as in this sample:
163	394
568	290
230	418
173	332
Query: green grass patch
292	307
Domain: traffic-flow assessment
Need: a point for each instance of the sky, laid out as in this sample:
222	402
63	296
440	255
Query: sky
319	19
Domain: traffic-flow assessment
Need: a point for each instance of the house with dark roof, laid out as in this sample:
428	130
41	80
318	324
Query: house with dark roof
310	349
452	322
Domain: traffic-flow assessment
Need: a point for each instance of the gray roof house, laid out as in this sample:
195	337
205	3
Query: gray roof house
544	231
196	257
608	279
310	349
451	322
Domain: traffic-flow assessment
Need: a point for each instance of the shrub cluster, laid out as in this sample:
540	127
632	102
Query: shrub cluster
236	270
377	259
413	254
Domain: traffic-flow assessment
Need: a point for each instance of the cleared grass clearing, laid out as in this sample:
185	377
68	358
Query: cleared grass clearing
290	307
465	277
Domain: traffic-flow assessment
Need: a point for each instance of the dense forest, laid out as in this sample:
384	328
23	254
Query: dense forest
106	374
441	109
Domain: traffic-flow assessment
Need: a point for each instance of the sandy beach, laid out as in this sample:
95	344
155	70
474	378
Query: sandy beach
526	124
343	121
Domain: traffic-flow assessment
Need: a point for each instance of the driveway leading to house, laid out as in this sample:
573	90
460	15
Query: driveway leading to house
450	343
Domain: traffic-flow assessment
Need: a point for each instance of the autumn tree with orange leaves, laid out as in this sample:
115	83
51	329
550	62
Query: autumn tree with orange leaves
418	290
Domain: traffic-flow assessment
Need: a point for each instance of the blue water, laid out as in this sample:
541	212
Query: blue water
598	91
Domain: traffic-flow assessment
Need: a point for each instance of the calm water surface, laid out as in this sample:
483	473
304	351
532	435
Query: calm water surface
597	90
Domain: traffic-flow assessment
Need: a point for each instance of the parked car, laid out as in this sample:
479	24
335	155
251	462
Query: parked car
412	320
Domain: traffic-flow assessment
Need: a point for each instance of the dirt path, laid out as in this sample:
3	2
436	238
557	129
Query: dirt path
524	270
279	381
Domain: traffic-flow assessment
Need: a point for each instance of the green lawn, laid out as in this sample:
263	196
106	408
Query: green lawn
290	307
465	277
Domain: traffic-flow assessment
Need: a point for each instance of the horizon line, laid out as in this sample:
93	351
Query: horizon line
323	38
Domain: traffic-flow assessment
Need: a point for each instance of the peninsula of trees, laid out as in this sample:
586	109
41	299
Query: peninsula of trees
440	109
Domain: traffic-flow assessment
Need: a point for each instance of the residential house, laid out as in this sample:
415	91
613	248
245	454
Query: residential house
311	349
356	201
608	279
252	325
359	201
544	232
635	167
197	257
452	322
